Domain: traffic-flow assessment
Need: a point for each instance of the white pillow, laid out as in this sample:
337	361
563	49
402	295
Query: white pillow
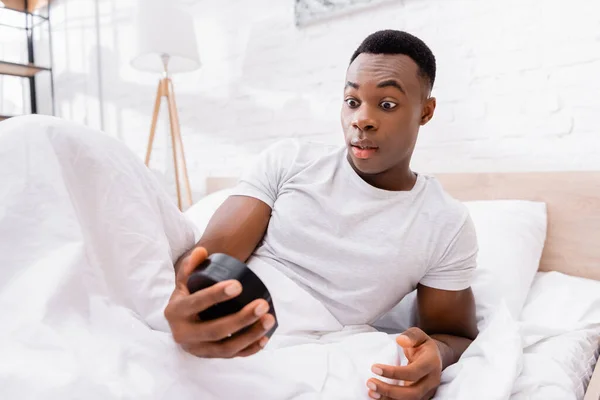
511	236
201	212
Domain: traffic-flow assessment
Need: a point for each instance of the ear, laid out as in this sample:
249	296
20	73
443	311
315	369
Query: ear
428	110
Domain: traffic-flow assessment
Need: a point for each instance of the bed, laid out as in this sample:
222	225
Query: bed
87	273
572	246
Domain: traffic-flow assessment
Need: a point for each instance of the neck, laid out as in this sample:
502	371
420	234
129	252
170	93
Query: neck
398	178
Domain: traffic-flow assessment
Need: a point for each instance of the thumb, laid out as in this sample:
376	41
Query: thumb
412	337
188	265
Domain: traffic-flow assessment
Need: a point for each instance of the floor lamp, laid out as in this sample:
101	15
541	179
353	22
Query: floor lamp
167	44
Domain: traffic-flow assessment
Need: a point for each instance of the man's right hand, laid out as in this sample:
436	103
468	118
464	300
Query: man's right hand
215	338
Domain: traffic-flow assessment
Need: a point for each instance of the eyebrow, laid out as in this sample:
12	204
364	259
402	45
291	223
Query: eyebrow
393	83
387	83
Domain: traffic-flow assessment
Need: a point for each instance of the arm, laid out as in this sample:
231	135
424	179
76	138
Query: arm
239	225
446	323
448	317
235	229
446	327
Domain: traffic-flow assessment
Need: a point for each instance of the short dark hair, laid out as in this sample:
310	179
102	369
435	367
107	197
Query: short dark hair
399	42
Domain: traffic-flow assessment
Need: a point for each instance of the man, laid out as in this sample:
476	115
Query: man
353	226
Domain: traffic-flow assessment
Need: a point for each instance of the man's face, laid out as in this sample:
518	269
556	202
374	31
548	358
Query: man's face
385	103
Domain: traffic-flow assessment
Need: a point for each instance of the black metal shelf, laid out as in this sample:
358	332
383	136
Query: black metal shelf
29	22
8	17
25	12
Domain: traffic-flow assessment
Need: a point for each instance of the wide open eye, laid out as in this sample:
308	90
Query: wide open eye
352	103
388	105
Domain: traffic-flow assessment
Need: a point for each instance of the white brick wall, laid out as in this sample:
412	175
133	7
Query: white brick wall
518	85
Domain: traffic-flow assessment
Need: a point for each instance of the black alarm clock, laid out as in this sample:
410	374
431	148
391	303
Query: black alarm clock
220	267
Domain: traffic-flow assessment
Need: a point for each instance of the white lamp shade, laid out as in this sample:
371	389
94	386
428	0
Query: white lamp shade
164	29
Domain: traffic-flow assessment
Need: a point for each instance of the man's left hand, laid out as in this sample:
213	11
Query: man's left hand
421	376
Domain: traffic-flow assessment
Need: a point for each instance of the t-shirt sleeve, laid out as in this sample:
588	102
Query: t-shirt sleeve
264	178
455	268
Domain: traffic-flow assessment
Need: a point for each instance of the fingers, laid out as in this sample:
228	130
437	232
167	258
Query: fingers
240	334
211	350
190	306
238	343
221	328
412	337
375	395
198	255
411	372
189	263
233	323
381	390
187	307
253	348
430	394
422	390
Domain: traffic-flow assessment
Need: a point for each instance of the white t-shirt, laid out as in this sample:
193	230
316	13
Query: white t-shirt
356	248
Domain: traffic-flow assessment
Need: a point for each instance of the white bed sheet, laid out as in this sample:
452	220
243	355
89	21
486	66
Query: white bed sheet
85	290
88	242
560	327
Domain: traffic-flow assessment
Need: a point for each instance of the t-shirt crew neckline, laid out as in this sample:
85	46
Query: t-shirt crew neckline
377	192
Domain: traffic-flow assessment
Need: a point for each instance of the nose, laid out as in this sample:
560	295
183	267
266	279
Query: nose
364	120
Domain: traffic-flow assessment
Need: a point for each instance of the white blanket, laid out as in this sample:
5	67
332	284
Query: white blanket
560	326
87	243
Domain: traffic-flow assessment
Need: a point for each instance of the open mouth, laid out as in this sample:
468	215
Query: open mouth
363	152
365	147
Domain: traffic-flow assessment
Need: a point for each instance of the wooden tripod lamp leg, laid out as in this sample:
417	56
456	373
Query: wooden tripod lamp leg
172	122
159	94
177	131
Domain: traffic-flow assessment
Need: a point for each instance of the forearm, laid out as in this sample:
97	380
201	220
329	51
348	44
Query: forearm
235	229
211	246
451	347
